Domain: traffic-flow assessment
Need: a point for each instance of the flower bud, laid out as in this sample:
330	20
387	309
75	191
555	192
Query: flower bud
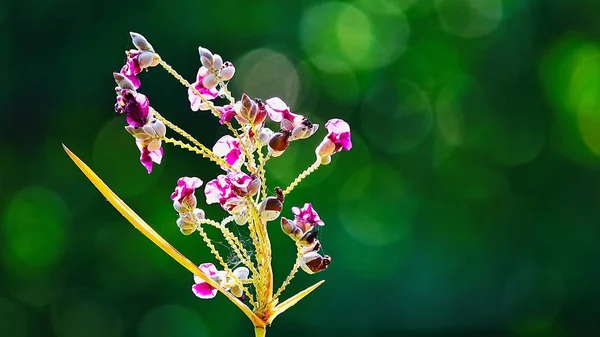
313	263
217	62
140	42
155	128
123	82
210	81
280	141
264	136
146	59
287	226
206	57
186	228
261	113
304	130
227	71
254	187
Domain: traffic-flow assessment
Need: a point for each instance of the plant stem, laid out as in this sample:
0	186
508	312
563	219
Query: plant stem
260	332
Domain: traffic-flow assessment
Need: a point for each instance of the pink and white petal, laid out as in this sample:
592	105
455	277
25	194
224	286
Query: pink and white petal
275	108
209	269
204	290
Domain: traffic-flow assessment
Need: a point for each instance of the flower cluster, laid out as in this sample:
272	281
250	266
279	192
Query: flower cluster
204	290
147	130
260	129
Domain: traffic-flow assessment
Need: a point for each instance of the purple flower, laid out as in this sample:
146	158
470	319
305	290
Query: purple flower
278	111
337	139
135	105
227	112
137	60
221	191
240	182
209	93
339	134
299	126
201	288
228	147
148	157
183	197
306	217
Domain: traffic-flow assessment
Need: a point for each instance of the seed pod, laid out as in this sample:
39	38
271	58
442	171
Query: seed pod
270	208
280	140
313	262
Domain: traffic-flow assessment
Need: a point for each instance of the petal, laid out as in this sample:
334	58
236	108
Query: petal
204	290
208	269
275	108
241	273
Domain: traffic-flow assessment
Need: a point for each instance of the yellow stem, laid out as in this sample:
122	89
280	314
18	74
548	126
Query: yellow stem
260	332
210	104
302	175
151	234
201	151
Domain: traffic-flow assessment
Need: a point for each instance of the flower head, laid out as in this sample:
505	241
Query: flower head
183	197
208	93
135	105
299	127
337	139
221	191
306	217
201	288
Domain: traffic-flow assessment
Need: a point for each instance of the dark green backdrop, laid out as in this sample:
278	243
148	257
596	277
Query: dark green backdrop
467	207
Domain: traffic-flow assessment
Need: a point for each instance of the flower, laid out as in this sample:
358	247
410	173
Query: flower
137	60
221	191
229	148
148	157
135	105
209	93
298	126
226	112
201	288
204	290
183	197
337	139
306	217
279	111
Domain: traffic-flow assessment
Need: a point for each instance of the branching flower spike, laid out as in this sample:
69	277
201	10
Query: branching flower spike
263	130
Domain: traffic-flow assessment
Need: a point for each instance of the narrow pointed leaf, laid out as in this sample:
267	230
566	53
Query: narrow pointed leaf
283	306
151	234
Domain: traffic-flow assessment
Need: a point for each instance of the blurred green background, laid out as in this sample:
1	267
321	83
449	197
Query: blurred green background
468	206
